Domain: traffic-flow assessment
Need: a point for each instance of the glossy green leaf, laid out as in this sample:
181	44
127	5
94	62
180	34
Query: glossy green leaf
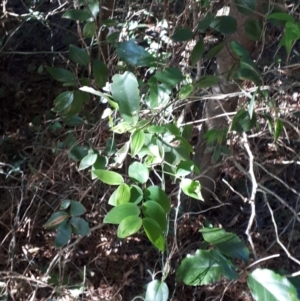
63	101
184	168
100	73
80	98
65	204
153	210
205	267
120	196
205	22
137	142
88	161
118	213
100	163
224	24
129	226
278	129
56	219
254	29
63	234
154	233
155	193
76	14
170	76
266	285
246	7
197	52
182	34
77	208
61	75
134	54
157	291
80	226
281	16
79	55
89	29
109	177
125	92
228	243
214	51
138	172
185	91
136	194
191	188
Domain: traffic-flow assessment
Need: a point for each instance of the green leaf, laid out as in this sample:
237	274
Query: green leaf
155	193
154	233
170	76
191	188
184	168
278	129
254	29
63	101
205	267
205	22
65	204
110	146
224	24
266	285
197	52
214	51
137	142
109	177
77	153
281	17
56	219
120	196
138	172
135	55
61	75
79	55
186	91
80	98
100	73
153	210
182	34
229	244
239	49
246	7
207	81
63	235
125	92
89	29
136	194
80	226
76	14
157	291
129	226
118	213
87	161
77	208
241	121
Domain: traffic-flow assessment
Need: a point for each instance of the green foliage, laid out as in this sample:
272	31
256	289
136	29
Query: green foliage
157	291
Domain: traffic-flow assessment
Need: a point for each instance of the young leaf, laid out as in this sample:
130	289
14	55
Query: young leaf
191	188
117	214
77	208
205	267
129	226
267	285
197	52
138	172
109	177
155	211
61	75
100	73
87	161
63	235
157	291
80	226
154	233
228	243
182	34
125	92
137	142
56	219
155	193
120	196
79	55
